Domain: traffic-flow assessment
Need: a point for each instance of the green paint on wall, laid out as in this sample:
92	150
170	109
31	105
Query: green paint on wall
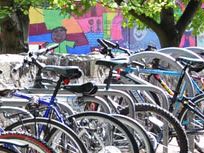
107	22
53	18
63	47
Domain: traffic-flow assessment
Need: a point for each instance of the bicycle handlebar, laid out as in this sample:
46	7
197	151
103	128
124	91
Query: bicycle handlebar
32	56
45	50
109	44
116	46
101	42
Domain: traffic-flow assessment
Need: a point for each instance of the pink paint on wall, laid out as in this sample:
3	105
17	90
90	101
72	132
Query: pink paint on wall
187	40
93	24
116	28
37	29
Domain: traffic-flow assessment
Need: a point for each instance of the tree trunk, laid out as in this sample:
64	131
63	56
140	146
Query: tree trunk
167	40
167	32
14	33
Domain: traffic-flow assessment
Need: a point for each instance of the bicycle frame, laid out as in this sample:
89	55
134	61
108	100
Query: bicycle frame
51	104
155	72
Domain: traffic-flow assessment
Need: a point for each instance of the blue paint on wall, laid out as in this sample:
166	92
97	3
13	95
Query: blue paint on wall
41	38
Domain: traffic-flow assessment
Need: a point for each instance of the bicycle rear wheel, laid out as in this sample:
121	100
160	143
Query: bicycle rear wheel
143	138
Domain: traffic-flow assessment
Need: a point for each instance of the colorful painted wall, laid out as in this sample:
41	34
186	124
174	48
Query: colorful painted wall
78	35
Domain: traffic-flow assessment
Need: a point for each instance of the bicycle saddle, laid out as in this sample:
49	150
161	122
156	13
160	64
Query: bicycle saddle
68	72
5	92
112	62
195	64
86	89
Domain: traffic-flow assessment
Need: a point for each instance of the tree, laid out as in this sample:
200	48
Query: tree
159	15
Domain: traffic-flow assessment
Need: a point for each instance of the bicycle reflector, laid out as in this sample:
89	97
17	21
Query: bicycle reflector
66	81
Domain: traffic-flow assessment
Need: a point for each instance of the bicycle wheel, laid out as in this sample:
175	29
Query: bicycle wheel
60	137
6	150
28	143
101	132
144	139
195	125
167	130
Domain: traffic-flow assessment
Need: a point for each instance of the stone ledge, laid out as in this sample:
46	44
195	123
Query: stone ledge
8	61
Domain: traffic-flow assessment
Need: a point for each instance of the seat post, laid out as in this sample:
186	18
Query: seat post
109	78
57	87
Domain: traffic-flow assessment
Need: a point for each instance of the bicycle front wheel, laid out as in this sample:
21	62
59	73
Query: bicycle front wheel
60	137
28	143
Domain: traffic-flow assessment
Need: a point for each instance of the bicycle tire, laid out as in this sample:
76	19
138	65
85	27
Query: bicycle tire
141	135
53	126
198	104
196	100
6	150
173	122
26	139
105	117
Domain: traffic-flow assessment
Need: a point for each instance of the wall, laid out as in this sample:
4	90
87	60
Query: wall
78	35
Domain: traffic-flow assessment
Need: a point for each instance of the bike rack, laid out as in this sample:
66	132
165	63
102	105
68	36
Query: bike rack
175	52
197	50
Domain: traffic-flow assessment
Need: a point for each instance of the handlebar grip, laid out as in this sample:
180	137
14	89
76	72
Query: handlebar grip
102	43
115	45
17	67
45	50
52	47
110	44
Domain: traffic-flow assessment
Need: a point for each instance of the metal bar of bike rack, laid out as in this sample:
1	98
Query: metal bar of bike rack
152	88
196	49
114	92
175	52
164	102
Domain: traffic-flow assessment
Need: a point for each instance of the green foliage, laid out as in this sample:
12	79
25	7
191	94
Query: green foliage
66	6
4	12
147	8
197	24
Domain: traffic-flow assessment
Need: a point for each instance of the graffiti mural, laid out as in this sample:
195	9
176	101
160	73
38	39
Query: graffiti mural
78	35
